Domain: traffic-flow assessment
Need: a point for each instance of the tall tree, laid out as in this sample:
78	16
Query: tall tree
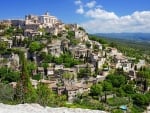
107	86
96	89
24	91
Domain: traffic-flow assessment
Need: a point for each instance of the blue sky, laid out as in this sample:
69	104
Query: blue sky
93	15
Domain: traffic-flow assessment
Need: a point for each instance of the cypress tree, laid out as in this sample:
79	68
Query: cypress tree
25	93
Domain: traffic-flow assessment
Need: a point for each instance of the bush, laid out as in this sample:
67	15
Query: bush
117	101
37	77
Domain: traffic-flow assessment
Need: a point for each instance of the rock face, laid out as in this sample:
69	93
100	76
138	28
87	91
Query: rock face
35	108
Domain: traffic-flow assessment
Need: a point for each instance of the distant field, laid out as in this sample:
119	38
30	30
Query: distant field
142	46
138	37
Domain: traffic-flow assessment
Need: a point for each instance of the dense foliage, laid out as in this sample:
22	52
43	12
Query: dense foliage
7	75
66	59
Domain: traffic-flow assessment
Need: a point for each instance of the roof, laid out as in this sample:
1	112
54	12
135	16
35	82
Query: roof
71	88
40	68
85	65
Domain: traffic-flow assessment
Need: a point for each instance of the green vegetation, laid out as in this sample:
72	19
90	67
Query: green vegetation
66	59
7	93
24	91
3	46
135	49
70	36
86	72
117	101
67	76
37	77
7	75
35	46
98	39
115	91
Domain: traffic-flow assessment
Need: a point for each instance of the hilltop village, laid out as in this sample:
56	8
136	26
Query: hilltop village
66	58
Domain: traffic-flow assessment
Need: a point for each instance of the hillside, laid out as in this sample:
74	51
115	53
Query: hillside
129	46
138	37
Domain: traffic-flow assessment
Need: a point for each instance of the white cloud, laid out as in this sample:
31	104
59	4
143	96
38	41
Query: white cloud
104	21
101	20
78	2
101	14
91	4
80	10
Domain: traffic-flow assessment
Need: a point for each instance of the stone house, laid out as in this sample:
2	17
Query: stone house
55	48
97	45
34	22
53	30
40	70
83	66
69	70
32	33
47	20
132	74
140	64
120	59
18	23
100	62
50	71
72	27
65	44
72	91
123	62
34	83
82	35
113	51
51	84
97	60
79	52
10	61
61	90
59	67
7	41
17	41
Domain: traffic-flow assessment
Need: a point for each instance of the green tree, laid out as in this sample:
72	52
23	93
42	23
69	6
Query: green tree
7	75
9	32
86	72
116	80
107	87
140	100
96	89
19	31
35	46
128	88
31	66
88	44
24	91
67	76
144	75
3	45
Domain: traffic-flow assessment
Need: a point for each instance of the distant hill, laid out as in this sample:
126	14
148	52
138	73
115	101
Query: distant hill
139	37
